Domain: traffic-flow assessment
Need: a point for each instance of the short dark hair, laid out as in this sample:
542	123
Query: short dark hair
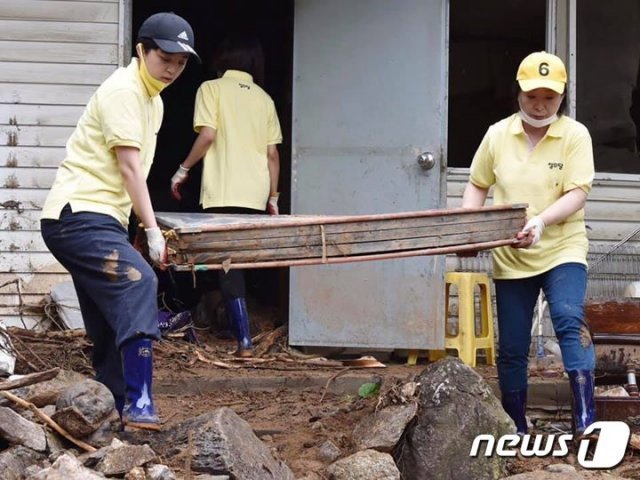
515	89
148	44
240	52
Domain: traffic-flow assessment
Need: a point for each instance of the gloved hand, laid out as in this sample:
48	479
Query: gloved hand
157	246
535	225
178	179
272	205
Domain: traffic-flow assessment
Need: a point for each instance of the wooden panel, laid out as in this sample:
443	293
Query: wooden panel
609	230
34	262
13	220
94	53
32	283
37	136
31	156
58	31
41	94
9	302
27	198
21	241
49	115
72	74
616	317
30	321
27	177
59	10
211	239
620	211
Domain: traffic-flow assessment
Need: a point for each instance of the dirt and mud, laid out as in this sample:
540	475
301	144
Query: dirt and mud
294	401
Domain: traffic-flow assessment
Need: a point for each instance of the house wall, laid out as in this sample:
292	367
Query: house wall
53	55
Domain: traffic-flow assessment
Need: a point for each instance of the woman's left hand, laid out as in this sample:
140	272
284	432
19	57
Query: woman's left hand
530	234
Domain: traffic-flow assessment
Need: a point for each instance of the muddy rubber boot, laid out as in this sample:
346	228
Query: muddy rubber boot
584	409
240	323
515	404
137	362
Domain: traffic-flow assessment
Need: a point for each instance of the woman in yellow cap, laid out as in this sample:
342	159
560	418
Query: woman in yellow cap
543	158
85	216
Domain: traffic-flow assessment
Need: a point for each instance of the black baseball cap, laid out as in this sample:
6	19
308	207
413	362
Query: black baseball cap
171	32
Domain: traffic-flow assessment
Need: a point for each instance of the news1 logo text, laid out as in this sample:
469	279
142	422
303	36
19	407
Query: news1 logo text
603	445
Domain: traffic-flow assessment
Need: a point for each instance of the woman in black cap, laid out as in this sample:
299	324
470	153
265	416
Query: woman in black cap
86	213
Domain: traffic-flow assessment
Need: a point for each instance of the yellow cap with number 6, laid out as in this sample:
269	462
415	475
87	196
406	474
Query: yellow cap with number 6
542	70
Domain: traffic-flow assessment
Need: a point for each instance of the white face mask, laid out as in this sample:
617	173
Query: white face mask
534	122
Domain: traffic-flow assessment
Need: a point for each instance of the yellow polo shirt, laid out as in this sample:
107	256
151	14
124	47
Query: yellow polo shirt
561	161
119	114
235	172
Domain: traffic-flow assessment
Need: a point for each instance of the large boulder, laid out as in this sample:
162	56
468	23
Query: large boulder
455	405
221	443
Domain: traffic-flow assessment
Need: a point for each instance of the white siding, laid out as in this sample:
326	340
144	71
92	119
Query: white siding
53	55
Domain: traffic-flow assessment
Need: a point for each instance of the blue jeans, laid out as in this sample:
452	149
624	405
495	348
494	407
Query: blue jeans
564	287
116	287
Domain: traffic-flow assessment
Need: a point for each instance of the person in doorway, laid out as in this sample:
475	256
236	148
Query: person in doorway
238	133
85	215
543	158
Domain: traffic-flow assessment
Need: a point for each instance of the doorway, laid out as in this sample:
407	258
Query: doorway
486	46
271	21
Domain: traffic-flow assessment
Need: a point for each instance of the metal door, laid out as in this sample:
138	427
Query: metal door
369	97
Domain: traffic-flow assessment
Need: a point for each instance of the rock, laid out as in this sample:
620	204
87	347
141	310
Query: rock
160	472
382	430
66	467
546	474
83	407
329	452
15	460
222	443
122	459
136	473
455	405
20	431
46	393
560	468
55	444
365	465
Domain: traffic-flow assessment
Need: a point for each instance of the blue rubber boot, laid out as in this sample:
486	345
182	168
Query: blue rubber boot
240	323
515	404
584	409
137	362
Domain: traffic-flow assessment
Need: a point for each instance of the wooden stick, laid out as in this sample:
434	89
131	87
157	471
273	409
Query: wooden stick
29	379
268	340
331	379
48	420
24	344
217	363
357	258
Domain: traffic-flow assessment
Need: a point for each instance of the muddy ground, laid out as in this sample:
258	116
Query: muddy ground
294	401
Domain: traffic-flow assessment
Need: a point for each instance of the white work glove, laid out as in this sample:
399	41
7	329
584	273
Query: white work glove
536	224
157	245
272	205
179	178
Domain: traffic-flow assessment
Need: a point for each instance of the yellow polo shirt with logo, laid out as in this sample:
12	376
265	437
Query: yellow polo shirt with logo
235	172
561	161
119	114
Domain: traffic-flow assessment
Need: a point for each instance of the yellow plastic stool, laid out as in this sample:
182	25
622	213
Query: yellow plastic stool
466	343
